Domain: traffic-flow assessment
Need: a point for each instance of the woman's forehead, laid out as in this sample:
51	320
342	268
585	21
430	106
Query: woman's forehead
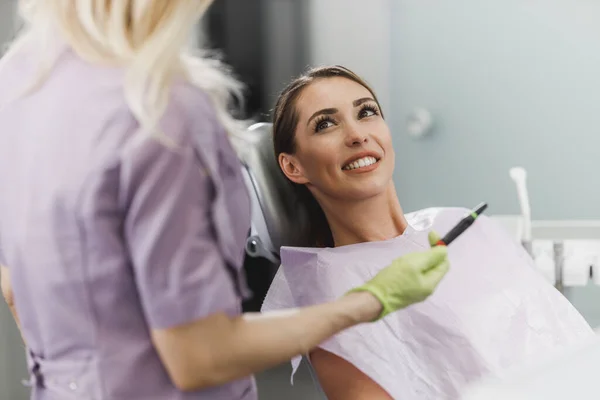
329	93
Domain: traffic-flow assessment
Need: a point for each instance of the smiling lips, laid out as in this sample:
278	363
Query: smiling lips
361	163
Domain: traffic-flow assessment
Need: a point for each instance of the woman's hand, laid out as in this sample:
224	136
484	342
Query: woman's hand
409	279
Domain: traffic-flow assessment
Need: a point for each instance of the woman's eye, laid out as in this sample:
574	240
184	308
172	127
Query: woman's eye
367	112
323	125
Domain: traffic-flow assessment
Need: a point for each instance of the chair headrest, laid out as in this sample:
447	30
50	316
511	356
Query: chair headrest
278	219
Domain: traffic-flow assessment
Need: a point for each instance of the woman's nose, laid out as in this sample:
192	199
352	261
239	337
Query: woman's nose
356	137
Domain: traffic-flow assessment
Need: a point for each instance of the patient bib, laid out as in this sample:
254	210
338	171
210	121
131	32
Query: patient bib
492	310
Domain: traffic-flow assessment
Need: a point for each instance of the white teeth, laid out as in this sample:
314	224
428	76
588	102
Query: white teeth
363	162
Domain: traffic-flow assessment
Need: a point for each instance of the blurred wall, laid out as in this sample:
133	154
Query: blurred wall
355	34
509	83
286	51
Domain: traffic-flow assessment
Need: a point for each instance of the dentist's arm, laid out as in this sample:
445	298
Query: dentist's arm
218	349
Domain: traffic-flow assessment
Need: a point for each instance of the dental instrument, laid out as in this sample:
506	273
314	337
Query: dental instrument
462	225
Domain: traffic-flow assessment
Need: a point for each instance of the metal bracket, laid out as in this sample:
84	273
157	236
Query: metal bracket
255	248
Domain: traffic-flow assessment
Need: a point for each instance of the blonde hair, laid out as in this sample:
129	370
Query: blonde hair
148	37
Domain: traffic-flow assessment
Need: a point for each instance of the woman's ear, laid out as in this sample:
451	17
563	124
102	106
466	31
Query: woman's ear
292	169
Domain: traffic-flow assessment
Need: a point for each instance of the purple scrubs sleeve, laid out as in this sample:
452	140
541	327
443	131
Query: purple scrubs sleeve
180	273
109	234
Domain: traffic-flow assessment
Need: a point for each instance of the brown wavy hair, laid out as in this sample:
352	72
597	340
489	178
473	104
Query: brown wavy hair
285	121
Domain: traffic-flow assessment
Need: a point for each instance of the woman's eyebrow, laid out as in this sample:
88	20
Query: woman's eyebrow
362	100
329	111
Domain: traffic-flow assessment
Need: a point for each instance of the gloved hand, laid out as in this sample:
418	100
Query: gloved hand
409	279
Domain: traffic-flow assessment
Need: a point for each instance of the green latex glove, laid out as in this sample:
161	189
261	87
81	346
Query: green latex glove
409	279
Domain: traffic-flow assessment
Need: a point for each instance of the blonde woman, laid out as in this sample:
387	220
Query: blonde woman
123	214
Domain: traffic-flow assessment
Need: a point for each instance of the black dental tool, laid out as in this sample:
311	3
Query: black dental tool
462	225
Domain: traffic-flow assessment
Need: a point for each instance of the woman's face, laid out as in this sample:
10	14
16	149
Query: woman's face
343	145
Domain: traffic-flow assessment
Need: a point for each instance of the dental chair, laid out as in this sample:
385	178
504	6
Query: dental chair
278	219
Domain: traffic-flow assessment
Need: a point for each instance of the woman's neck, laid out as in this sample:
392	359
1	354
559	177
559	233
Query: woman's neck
374	219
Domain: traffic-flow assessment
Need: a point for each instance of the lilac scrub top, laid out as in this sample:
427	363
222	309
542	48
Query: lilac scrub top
108	233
